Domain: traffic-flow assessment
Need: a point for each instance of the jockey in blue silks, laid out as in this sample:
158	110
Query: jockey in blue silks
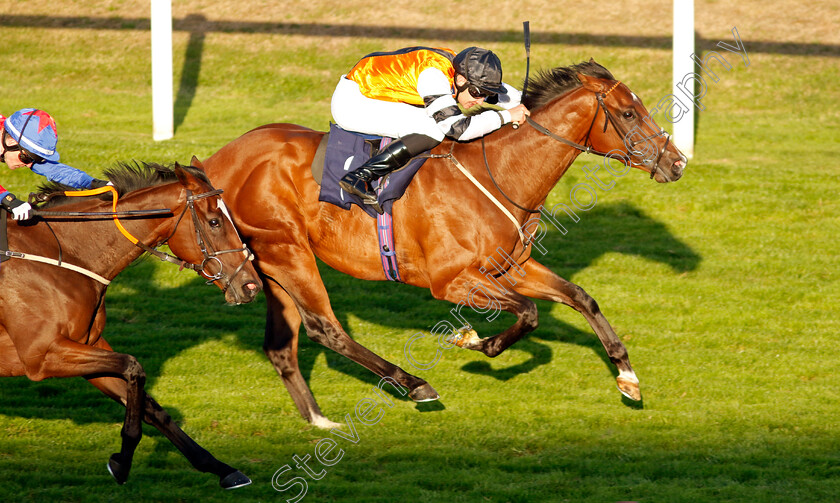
29	139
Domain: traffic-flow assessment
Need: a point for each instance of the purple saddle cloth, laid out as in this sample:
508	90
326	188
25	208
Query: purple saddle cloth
347	151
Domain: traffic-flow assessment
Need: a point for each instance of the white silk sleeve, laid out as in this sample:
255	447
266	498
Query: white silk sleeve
511	99
433	82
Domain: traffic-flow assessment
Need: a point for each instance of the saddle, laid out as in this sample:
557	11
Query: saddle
341	151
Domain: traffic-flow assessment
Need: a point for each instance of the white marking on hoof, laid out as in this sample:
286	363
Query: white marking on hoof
237	486
629	376
628	384
324	423
464	337
425	389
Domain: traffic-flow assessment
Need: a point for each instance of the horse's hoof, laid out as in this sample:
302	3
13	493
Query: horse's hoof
118	470
424	393
465	337
235	480
629	387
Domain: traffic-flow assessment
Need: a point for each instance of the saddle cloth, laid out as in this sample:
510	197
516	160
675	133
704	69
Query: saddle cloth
347	151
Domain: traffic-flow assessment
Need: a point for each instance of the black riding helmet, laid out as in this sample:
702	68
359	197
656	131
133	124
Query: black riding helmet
481	68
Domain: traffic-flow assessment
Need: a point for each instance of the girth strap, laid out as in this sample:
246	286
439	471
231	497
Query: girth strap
385	233
4	238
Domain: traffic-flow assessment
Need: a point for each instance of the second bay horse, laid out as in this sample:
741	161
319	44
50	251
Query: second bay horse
52	313
446	229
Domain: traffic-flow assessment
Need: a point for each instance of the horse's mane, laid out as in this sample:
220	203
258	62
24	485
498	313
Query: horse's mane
126	177
549	84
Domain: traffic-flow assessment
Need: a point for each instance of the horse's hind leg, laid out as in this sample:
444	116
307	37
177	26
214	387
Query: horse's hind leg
66	358
10	365
302	281
154	414
281	347
469	291
540	283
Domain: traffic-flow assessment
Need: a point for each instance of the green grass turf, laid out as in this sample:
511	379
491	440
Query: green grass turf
723	286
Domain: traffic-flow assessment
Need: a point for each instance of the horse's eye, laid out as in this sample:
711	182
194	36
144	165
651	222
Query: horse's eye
629	115
215	223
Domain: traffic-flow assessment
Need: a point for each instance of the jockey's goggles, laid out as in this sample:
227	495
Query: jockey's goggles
25	156
478	93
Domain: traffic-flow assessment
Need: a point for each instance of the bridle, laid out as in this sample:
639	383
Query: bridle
210	254
587	147
610	119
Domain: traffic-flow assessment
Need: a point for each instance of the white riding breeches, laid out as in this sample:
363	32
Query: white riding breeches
354	111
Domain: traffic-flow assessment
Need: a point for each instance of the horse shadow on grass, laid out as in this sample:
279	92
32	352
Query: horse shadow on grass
156	324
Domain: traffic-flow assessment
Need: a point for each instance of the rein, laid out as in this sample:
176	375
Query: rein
586	147
545	131
487	165
101	214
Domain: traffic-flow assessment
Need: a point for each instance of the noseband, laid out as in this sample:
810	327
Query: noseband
210	255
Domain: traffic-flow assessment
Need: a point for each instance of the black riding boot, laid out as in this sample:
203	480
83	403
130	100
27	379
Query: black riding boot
394	156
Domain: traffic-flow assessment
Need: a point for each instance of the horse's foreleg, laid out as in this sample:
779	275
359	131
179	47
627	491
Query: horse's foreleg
540	283
120	463
132	396
281	347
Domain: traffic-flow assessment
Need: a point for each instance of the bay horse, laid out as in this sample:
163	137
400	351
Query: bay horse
52	316
446	229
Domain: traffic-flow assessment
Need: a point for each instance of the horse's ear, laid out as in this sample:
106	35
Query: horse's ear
183	176
593	84
195	163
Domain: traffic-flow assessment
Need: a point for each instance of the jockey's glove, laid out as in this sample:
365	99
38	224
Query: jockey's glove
96	183
19	209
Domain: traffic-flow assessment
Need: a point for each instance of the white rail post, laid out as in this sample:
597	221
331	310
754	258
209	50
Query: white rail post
162	102
682	66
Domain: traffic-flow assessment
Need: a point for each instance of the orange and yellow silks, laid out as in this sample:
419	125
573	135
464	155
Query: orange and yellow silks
392	76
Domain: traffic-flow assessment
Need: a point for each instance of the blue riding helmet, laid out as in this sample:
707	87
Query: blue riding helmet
35	131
